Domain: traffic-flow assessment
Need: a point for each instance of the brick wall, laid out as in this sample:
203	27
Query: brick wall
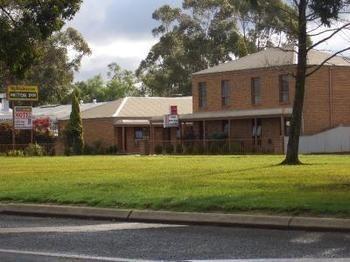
327	96
340	96
99	129
240	89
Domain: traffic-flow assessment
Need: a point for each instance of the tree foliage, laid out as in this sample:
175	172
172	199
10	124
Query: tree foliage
74	129
205	33
320	14
54	72
24	25
120	83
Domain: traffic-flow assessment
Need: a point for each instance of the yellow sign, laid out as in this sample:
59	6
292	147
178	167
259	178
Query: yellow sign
22	93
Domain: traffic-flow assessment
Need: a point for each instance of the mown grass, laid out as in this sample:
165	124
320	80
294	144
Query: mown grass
208	183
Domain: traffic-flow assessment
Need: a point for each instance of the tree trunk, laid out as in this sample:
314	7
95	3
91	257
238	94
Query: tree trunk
292	157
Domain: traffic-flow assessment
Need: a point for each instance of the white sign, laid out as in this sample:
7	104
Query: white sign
23	118
171	121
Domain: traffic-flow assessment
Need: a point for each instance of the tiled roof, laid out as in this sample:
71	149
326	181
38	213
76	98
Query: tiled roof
271	57
139	107
60	111
153	106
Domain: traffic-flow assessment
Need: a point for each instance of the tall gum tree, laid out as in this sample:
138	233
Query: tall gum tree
324	19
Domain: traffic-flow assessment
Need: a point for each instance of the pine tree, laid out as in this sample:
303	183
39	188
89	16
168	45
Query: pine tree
74	129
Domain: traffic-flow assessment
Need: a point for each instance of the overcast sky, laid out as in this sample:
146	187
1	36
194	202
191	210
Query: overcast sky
117	31
120	31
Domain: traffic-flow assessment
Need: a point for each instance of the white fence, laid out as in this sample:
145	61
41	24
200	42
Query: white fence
335	140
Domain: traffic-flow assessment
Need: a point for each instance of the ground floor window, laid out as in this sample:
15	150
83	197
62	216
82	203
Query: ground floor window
141	133
256	128
286	127
225	127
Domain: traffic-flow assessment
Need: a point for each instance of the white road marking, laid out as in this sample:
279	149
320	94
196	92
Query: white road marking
308	238
278	260
100	258
66	256
84	229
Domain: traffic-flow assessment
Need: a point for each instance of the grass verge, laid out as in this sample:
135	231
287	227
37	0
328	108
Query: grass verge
196	183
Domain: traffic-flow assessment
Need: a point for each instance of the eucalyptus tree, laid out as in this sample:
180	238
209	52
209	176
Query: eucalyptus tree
205	33
23	25
324	19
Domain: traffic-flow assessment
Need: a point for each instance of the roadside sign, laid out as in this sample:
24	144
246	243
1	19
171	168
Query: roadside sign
171	121
173	110
23	117
22	93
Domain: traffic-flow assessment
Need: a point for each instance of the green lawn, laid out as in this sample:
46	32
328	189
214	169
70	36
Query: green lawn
217	183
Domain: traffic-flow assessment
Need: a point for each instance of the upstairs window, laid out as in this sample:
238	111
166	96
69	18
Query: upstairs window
284	89
256	92
202	95
225	93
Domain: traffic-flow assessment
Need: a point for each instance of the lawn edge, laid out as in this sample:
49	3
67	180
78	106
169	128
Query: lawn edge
191	218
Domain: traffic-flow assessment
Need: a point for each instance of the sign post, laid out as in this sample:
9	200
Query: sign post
22	118
171	120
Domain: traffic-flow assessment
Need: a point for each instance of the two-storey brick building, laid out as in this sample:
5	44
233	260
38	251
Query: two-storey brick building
249	101
240	106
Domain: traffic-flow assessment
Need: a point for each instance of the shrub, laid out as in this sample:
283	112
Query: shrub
74	129
215	147
98	148
198	149
169	149
158	149
179	149
89	150
112	150
189	149
34	150
15	153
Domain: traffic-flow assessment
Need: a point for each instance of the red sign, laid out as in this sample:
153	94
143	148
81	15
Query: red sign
23	117
173	110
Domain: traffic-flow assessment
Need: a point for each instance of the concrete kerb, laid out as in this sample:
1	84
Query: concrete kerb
66	211
238	220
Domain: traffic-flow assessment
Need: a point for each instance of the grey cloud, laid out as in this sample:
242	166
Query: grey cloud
131	19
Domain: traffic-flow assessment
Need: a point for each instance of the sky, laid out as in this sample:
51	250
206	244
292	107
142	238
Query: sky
117	31
121	31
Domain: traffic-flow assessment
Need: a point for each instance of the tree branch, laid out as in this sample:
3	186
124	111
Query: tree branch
326	60
328	37
8	15
325	31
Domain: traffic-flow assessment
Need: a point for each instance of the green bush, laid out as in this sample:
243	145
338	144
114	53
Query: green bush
189	149
169	149
158	149
34	150
15	153
198	149
112	150
89	150
179	149
98	148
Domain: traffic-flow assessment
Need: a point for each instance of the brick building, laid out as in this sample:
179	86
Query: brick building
249	101
133	124
240	106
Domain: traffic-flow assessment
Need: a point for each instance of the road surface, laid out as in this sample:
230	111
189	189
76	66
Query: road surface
55	239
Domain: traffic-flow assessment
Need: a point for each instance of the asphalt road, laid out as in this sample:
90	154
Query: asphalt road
53	239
